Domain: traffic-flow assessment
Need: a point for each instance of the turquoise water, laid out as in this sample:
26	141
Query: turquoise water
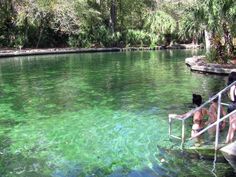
99	114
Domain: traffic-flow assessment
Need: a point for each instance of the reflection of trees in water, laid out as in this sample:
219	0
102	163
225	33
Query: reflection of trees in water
103	74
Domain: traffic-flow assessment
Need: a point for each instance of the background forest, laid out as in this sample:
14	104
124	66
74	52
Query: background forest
116	23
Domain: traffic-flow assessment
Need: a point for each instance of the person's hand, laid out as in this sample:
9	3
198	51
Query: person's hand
176	116
173	115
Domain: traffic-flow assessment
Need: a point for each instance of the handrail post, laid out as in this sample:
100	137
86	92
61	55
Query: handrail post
217	125
183	134
170	122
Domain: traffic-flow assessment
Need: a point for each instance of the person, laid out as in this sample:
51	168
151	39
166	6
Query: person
231	107
198	122
213	109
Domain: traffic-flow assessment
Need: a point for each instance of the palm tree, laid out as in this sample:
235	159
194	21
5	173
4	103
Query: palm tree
160	23
191	25
214	17
196	21
226	10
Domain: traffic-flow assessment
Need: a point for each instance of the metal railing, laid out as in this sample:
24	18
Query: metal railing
189	115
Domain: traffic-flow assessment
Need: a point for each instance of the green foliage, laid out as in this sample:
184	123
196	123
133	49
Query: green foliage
155	40
160	22
91	23
2	41
103	36
212	56
80	40
192	25
112	40
137	38
19	41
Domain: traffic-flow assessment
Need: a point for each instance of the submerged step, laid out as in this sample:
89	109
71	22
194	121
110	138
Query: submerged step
230	149
229	152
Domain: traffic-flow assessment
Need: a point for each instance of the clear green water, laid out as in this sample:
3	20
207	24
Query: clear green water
99	114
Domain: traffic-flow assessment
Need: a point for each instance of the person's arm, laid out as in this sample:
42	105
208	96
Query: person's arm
187	114
181	116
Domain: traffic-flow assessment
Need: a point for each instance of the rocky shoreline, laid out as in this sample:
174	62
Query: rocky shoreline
199	64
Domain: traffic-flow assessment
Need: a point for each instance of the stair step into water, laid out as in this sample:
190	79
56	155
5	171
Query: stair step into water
229	152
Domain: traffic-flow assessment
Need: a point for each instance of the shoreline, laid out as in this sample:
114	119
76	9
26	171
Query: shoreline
195	63
198	64
27	52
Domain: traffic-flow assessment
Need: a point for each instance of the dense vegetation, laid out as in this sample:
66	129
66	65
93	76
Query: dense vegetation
122	23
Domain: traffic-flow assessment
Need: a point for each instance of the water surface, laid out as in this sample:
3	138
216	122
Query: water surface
99	114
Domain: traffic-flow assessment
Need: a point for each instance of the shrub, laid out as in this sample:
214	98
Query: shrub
212	56
137	38
19	41
79	40
156	40
105	38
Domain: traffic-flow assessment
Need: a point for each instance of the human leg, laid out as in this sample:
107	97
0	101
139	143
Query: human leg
231	131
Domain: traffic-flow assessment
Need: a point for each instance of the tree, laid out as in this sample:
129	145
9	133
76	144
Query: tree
86	23
226	12
113	16
7	17
66	17
161	23
193	24
37	13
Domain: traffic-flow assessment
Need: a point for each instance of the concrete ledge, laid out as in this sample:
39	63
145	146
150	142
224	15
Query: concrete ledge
209	69
230	149
197	63
229	152
15	53
26	52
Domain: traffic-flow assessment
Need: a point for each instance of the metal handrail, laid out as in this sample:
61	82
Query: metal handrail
190	113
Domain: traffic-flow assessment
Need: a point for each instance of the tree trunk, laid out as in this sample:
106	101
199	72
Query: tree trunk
194	40
40	32
113	16
220	52
39	39
208	36
228	40
121	17
26	38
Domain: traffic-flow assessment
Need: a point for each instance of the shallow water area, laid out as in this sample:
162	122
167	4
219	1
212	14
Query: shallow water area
99	114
